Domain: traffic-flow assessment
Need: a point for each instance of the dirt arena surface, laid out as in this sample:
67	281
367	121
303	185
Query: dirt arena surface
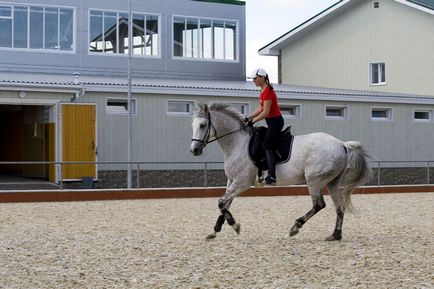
388	243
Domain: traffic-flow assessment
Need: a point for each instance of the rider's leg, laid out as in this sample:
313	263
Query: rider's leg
271	162
275	125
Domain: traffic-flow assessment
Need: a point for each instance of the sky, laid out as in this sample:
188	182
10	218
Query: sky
267	20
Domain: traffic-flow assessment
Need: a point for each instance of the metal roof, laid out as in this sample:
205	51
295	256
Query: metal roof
67	83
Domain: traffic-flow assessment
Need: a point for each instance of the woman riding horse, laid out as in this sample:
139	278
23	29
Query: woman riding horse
268	109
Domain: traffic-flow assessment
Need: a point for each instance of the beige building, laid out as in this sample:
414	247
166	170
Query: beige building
381	45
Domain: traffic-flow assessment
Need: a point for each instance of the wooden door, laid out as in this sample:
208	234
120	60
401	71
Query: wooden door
78	140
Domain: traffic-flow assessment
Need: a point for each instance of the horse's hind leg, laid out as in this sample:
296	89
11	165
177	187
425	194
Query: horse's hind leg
336	196
318	205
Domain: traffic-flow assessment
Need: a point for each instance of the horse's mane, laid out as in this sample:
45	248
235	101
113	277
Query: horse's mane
219	107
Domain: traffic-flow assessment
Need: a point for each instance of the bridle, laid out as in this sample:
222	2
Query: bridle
206	139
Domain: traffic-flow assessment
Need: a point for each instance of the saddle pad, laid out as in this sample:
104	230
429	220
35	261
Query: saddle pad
282	152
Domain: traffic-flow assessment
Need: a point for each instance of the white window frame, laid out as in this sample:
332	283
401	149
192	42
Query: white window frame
190	104
429	111
297	109
246	106
378	64
388	110
117	54
124	100
343	108
212	59
45	50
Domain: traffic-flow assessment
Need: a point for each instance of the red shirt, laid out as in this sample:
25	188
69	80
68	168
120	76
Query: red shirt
269	94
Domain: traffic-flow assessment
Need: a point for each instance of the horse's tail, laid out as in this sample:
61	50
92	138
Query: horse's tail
358	170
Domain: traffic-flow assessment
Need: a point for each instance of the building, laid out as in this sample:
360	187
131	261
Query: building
63	95
375	45
64	87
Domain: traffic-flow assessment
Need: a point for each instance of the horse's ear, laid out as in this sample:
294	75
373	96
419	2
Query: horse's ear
205	108
198	107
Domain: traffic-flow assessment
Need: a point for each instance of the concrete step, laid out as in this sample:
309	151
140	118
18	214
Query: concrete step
28	186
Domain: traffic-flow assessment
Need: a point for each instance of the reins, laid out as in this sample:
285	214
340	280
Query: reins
206	140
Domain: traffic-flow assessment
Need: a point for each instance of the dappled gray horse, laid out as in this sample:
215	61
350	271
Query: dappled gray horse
318	159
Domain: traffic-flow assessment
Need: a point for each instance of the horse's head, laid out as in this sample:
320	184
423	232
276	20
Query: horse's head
202	129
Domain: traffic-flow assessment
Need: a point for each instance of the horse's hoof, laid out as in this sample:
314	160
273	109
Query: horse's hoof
237	228
294	230
336	236
331	238
211	236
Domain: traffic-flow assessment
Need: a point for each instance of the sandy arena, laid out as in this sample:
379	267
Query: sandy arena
388	243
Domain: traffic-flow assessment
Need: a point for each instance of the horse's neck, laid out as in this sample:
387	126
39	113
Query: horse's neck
233	141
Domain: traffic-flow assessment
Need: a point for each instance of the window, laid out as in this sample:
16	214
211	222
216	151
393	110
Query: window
423	115
37	27
5	26
378	73
120	106
379	113
336	112
204	38
180	107
290	111
242	108
108	33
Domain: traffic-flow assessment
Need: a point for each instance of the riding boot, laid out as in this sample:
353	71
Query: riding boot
271	162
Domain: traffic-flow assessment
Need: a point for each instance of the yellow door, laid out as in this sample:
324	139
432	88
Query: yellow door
78	140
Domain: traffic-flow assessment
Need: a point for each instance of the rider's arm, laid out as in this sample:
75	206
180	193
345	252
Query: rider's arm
264	112
255	113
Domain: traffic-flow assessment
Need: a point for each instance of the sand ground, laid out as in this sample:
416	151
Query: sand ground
388	243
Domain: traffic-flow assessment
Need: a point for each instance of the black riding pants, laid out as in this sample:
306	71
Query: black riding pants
275	125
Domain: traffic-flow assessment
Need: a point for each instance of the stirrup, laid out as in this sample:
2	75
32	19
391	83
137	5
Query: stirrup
269	180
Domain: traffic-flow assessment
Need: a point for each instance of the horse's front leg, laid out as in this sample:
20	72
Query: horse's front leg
224	204
225	215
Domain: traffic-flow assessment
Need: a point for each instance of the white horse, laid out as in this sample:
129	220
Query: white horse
317	159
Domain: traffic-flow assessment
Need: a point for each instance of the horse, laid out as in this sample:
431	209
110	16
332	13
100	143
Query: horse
318	160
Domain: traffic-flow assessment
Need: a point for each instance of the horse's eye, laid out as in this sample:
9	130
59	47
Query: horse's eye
202	125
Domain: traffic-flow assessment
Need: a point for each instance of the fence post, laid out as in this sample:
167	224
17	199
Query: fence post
61	176
138	176
205	175
378	174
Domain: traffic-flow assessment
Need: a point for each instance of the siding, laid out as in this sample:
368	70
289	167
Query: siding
337	53
164	66
158	137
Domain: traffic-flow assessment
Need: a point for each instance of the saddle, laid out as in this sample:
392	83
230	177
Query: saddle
282	152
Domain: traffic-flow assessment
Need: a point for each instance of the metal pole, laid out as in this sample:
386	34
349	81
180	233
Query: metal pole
378	174
427	174
138	175
130	108
205	175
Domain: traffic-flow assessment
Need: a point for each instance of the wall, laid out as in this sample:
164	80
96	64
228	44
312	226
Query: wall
337	53
163	66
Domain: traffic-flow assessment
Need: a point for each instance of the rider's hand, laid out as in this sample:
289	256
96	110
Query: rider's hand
250	123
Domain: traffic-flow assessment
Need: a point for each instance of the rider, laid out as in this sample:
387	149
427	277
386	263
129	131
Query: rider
268	109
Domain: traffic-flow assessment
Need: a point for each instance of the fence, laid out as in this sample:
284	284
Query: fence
189	173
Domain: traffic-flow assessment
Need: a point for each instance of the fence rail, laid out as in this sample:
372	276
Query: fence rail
381	168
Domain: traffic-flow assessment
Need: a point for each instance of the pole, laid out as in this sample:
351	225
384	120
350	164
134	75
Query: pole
130	107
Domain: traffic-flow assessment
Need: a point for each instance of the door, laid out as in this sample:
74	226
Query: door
78	122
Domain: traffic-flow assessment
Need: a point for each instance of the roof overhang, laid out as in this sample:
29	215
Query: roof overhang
244	89
415	5
274	47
